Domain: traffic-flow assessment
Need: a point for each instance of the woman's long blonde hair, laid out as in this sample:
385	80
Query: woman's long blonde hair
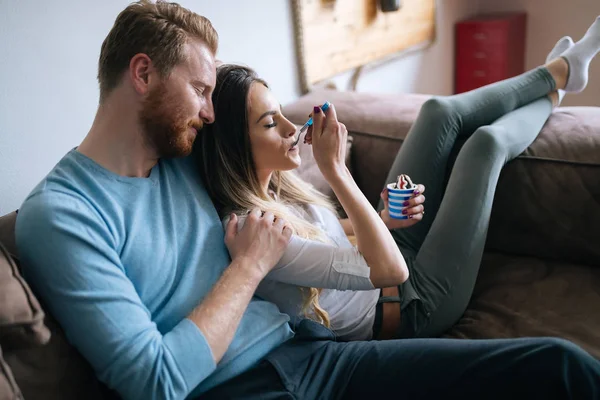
227	167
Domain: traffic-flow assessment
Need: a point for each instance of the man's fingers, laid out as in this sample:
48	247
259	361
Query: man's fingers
231	230
268	218
279	224
287	232
255	214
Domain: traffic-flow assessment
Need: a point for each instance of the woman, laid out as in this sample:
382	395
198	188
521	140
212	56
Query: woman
247	156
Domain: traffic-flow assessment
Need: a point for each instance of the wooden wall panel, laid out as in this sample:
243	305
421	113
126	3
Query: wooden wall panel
333	36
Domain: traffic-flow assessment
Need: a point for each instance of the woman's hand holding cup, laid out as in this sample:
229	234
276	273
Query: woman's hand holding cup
413	208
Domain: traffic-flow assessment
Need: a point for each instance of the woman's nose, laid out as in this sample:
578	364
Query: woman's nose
291	129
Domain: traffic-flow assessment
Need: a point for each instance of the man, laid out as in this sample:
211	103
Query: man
123	245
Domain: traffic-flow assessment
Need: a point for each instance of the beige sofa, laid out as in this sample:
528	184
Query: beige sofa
540	274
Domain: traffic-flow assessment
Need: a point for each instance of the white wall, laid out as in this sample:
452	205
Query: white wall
49	52
548	21
48	59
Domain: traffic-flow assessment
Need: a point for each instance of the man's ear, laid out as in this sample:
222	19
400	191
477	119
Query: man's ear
141	71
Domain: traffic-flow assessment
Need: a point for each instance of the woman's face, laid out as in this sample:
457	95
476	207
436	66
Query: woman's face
271	134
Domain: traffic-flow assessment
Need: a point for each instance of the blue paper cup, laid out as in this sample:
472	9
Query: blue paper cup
396	198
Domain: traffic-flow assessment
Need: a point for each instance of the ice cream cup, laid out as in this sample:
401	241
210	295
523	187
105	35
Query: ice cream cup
396	199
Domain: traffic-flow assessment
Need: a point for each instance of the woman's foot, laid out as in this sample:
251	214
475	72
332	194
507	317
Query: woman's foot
560	47
579	56
555	98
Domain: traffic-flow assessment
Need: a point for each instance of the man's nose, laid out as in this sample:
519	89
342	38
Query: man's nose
207	114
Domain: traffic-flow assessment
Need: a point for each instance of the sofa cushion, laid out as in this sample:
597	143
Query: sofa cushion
21	316
549	197
524	296
7	233
55	371
8	386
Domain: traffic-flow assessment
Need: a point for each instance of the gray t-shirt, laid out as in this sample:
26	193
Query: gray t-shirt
348	294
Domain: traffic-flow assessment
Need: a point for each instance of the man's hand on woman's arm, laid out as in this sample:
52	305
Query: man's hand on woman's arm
254	249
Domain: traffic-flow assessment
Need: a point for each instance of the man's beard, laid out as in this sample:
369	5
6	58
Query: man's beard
165	124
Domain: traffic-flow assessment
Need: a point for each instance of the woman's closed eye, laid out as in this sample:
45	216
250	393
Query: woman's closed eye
271	125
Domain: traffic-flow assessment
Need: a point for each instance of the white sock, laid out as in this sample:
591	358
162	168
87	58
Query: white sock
579	56
563	44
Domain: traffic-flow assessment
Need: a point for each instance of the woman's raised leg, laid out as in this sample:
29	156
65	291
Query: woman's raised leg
446	267
425	153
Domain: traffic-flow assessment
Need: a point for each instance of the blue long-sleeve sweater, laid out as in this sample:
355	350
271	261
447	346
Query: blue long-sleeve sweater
121	262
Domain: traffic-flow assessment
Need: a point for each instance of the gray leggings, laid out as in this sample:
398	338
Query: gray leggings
444	250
